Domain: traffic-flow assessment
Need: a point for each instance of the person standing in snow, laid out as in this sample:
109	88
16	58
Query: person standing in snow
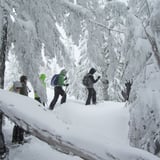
42	78
24	89
18	132
90	87
58	89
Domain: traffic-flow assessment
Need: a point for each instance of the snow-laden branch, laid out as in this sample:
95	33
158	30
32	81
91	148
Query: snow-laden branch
153	43
85	13
77	9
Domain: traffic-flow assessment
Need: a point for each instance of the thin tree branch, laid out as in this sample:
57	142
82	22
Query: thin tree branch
102	25
149	12
154	46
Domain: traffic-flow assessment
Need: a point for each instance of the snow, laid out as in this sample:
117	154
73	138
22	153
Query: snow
101	129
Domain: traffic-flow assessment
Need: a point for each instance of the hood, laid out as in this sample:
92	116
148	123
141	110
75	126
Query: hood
42	77
92	71
63	72
23	78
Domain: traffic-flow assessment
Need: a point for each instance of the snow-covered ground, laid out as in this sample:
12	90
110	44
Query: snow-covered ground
104	125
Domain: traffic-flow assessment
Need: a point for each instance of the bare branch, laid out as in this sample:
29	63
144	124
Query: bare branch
149	12
102	25
154	46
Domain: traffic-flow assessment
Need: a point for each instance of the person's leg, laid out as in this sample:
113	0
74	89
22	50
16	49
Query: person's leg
56	95
38	99
21	135
3	149
18	134
94	101
88	101
14	134
63	94
2	144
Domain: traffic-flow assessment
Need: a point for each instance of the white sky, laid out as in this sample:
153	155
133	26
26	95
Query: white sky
101	129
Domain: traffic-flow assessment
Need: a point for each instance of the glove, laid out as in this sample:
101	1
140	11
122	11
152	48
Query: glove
66	84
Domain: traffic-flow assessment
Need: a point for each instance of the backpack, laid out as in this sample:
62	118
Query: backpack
54	80
16	84
86	80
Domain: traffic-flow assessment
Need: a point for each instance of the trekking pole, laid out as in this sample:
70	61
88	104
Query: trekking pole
66	89
67	82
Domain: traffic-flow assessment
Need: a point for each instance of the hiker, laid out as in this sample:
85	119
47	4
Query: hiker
42	78
24	89
127	90
58	90
17	136
90	88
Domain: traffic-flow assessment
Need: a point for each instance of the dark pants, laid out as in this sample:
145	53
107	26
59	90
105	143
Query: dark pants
58	91
2	142
39	100
91	96
18	134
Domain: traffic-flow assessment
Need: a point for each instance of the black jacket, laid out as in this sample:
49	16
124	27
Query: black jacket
24	89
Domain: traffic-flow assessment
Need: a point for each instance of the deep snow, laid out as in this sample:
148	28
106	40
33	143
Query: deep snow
101	129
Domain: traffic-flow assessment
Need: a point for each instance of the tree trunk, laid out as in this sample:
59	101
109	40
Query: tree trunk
3	49
154	47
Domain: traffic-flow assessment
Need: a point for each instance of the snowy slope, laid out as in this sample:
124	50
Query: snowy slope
101	130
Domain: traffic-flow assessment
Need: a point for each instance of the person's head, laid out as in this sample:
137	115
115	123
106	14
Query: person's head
23	79
63	72
42	76
92	71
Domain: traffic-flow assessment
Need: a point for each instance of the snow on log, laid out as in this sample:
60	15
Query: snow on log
28	113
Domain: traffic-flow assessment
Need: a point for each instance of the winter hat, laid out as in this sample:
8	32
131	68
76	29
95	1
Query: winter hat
92	71
23	78
42	76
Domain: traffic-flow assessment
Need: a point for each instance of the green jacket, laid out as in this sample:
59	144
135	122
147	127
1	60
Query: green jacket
42	79
61	78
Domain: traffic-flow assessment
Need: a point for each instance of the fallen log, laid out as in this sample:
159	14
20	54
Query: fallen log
15	111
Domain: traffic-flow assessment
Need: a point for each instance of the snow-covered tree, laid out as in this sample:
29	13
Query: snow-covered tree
35	23
142	66
98	29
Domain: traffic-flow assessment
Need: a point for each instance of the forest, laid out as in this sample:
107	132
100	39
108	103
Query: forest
120	38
